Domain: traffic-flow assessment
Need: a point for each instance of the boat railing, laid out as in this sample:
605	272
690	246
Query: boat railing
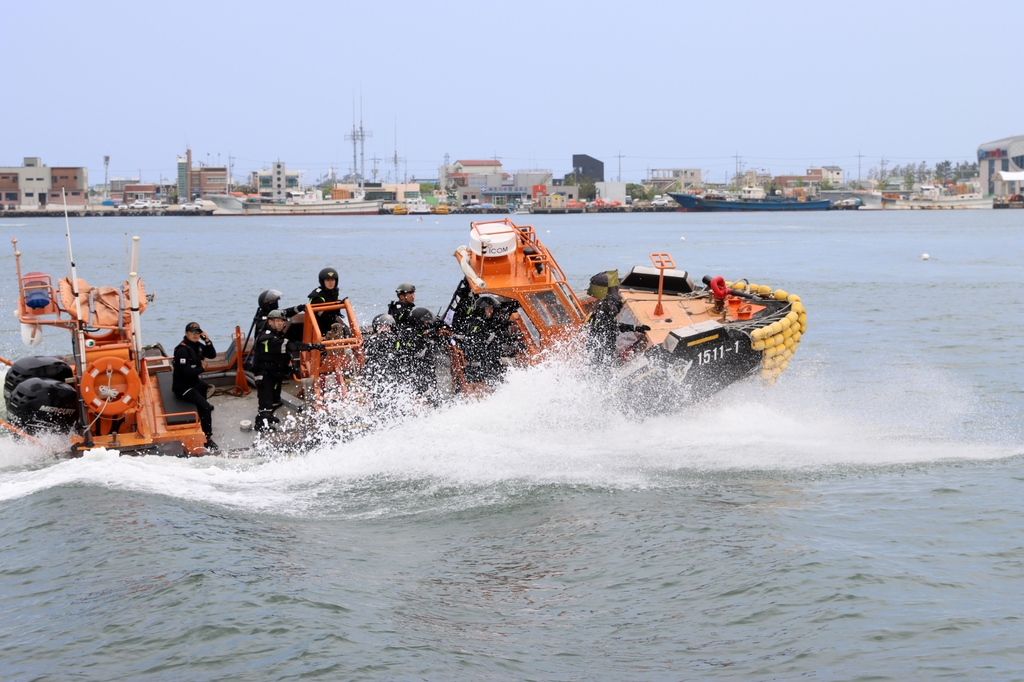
339	355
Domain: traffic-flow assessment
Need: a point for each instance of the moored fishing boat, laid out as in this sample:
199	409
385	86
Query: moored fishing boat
297	203
931	197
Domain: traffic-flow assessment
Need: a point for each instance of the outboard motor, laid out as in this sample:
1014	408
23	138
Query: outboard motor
43	404
36	366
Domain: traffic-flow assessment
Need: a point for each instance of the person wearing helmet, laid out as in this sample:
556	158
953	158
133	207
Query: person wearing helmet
417	349
406	303
187	383
382	351
327	292
272	366
487	340
603	326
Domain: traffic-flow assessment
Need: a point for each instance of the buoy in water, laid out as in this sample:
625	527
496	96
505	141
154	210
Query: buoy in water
924	256
682	239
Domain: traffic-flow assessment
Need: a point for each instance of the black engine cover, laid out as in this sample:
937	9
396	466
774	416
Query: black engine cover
43	404
35	366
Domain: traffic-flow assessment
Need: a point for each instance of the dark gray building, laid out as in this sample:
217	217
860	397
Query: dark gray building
587	167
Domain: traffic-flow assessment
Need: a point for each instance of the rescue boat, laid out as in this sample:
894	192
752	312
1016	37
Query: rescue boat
700	338
113	392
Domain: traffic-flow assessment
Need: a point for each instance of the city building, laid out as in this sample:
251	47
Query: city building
830	174
584	166
135	192
275	182
458	173
999	157
36	185
117	186
663	179
611	191
378	191
199	181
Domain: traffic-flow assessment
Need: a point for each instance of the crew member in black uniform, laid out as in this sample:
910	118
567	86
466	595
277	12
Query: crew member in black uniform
382	350
603	327
327	292
416	344
403	307
486	341
186	382
272	366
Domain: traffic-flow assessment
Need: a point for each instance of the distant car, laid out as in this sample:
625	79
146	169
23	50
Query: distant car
195	208
122	207
158	205
659	201
140	204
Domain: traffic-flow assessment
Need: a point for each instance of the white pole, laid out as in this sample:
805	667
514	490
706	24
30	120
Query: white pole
79	346
133	294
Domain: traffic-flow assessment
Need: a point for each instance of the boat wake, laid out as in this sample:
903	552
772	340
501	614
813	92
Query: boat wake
549	426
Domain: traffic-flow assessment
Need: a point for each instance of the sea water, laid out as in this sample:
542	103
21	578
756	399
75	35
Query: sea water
860	519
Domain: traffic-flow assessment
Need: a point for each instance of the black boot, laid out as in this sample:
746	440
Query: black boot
265	421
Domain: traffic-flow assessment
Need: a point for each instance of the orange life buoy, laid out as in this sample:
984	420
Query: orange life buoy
110	386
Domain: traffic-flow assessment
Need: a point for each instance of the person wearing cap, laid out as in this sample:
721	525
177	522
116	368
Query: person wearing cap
187	383
603	326
272	365
406	303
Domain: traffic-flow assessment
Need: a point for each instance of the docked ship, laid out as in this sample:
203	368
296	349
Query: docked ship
750	199
930	197
295	203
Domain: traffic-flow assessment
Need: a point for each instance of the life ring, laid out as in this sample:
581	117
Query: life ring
123	380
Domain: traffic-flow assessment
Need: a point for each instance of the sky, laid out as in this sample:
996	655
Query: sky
782	85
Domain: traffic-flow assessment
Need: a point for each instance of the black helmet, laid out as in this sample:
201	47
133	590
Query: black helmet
421	317
328	273
406	288
277	315
382	320
268	299
485	302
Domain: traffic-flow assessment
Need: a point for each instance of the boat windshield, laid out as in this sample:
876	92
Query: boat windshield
548	307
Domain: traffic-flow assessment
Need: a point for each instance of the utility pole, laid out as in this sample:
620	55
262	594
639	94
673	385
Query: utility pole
859	157
737	176
881	174
618	178
374	169
106	178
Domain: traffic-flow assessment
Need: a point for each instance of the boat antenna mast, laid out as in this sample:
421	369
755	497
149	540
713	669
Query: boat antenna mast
79	338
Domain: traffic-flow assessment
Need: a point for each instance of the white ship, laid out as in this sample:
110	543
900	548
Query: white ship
417	206
296	203
934	197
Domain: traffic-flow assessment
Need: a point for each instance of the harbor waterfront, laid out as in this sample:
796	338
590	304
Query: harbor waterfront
858	519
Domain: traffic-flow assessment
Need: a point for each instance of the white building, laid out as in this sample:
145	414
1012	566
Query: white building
276	181
1006	155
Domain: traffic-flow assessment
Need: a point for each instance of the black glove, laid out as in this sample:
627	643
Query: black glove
318	346
641	328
